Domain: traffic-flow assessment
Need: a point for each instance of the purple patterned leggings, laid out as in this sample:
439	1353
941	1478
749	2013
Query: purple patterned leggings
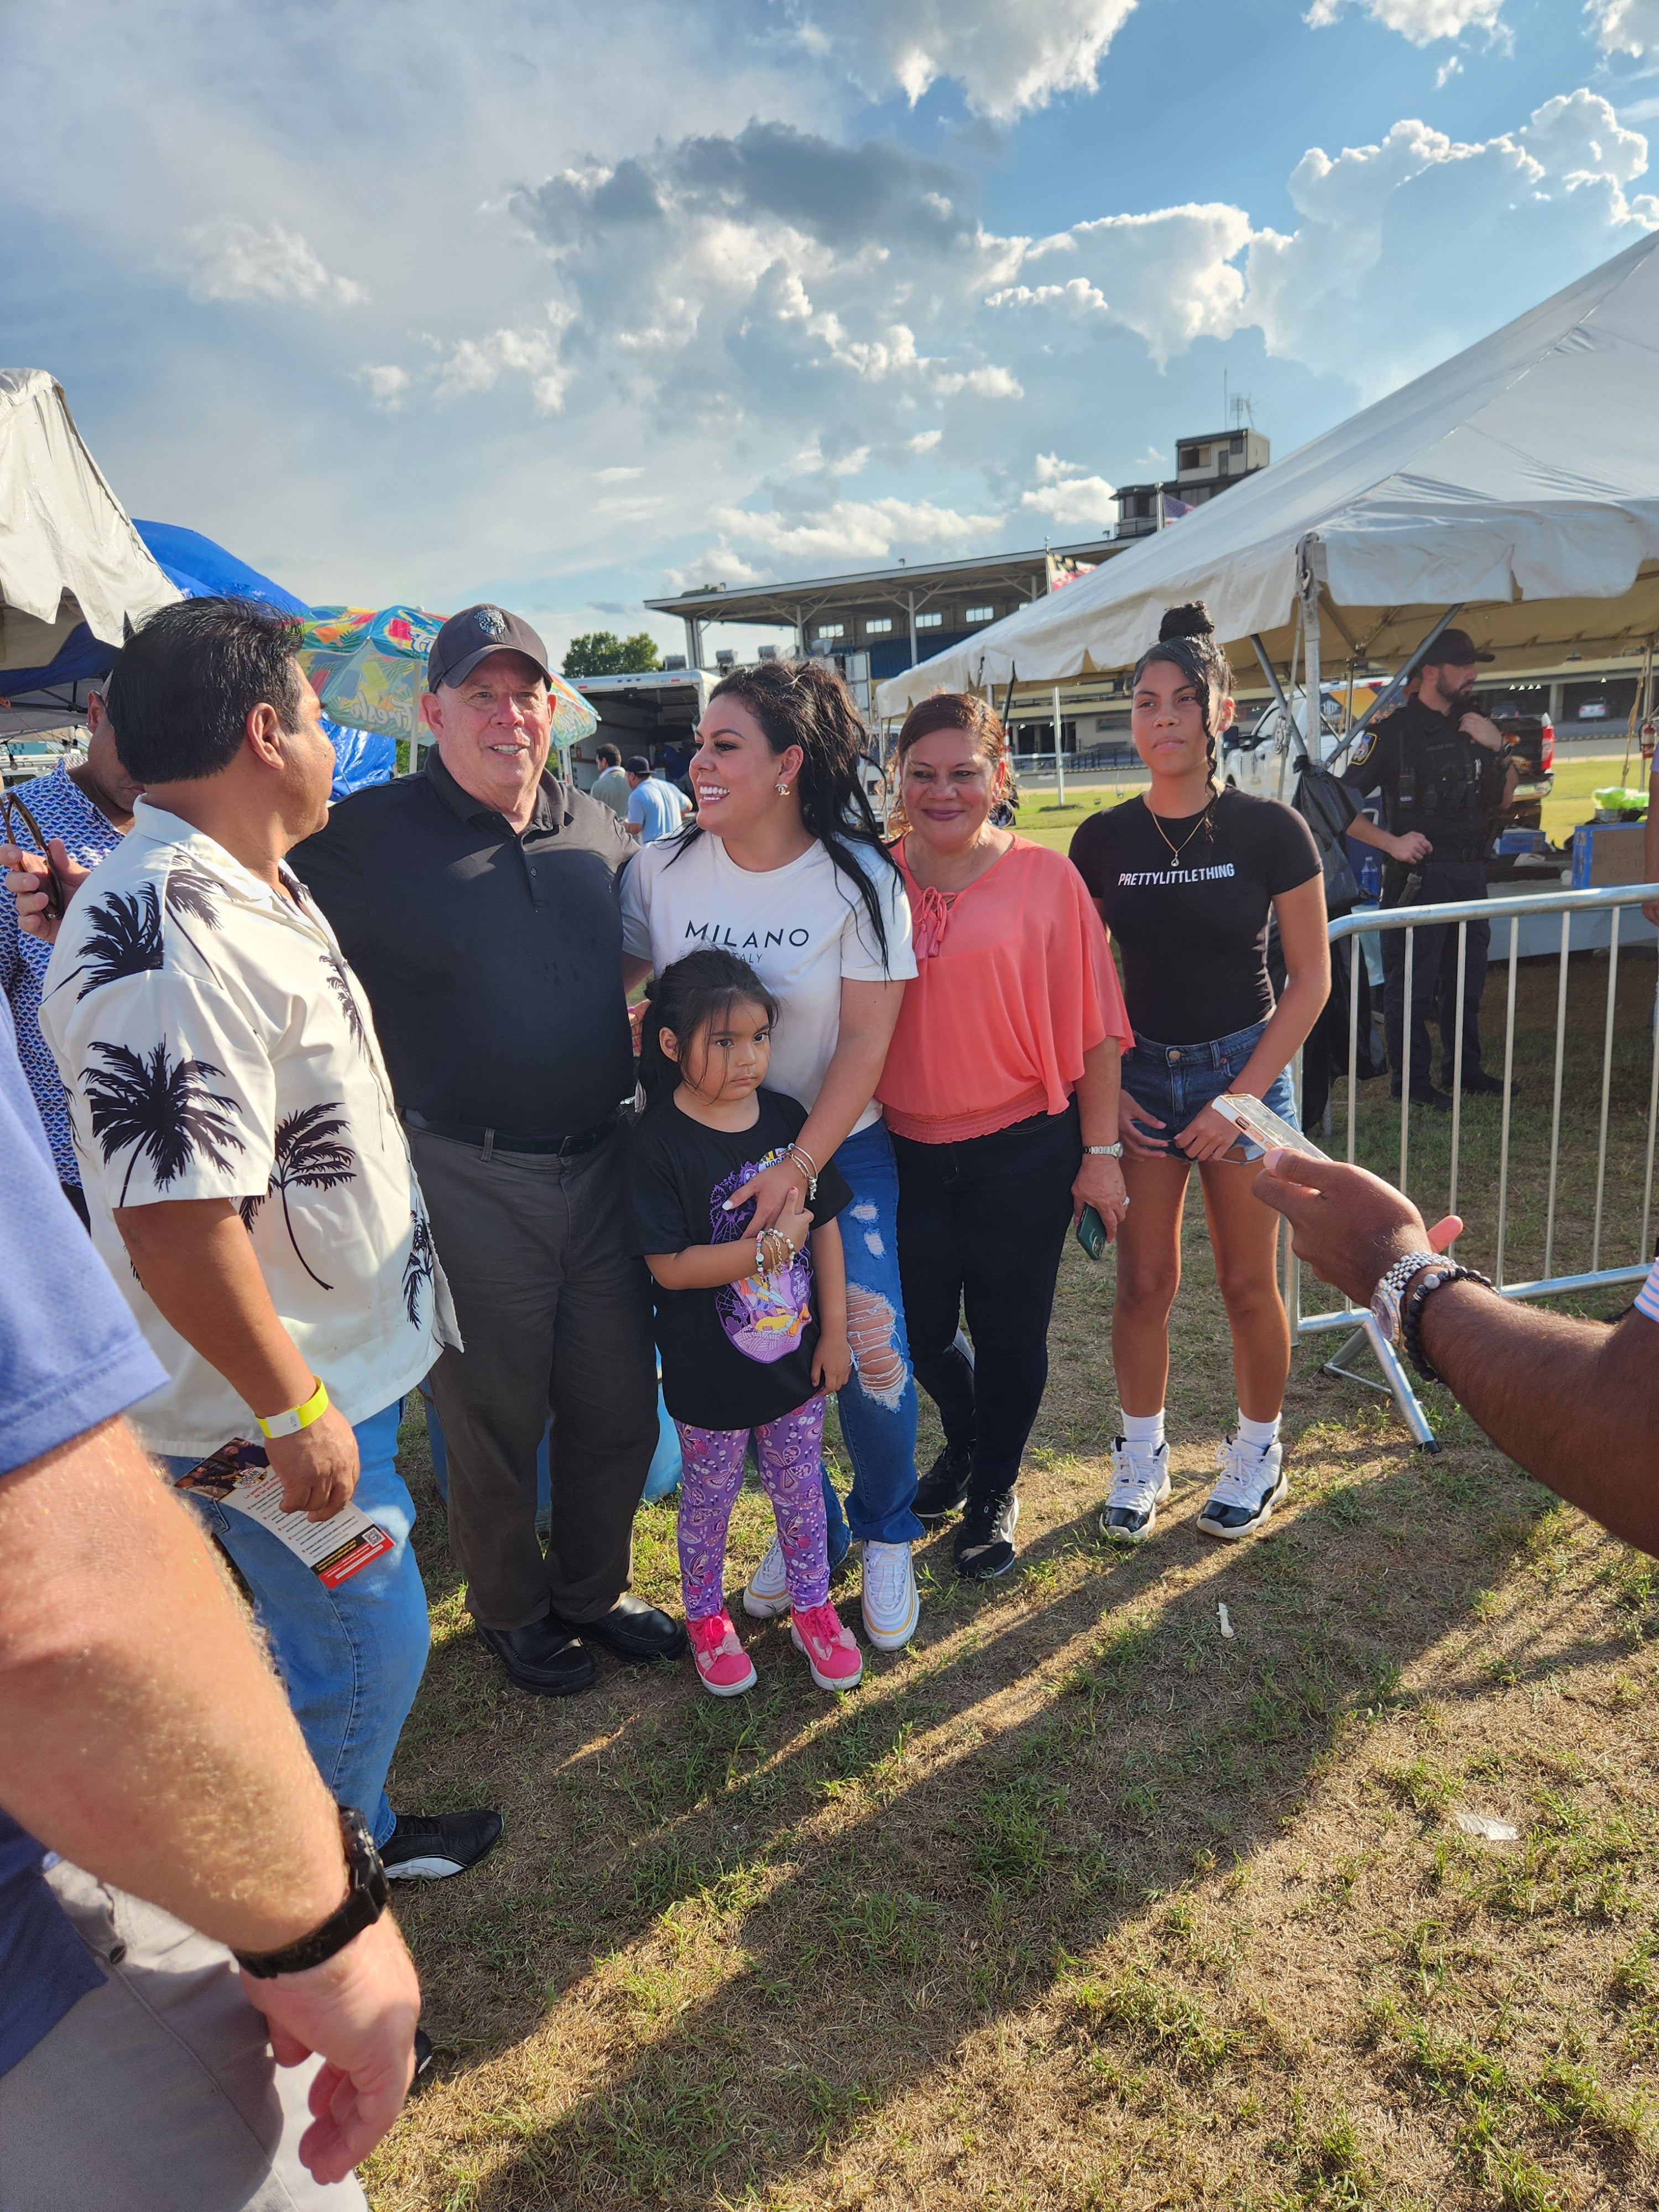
791	1452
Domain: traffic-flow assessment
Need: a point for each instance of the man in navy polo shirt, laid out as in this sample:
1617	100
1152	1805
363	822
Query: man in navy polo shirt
477	905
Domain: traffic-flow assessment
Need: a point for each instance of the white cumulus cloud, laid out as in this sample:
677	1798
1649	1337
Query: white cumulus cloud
1008	55
1068	497
1168	275
1422	21
848	532
1626	27
234	260
1351	288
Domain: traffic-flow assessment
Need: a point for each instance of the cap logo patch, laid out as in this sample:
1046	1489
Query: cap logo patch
492	622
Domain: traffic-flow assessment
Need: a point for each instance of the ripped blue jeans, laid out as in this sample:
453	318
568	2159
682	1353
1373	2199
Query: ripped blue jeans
878	1407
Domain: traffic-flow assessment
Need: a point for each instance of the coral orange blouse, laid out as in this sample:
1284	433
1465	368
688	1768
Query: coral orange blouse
1014	984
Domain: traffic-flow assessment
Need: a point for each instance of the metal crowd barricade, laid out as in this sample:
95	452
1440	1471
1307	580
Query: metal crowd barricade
1358	1329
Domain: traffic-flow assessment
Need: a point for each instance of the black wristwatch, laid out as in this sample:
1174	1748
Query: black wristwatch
1430	1281
365	1902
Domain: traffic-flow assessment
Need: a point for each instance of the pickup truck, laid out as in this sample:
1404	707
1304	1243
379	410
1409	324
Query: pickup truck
1533	737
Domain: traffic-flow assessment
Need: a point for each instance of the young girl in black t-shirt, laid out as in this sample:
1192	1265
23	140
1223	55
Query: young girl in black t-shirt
751	1325
1185	877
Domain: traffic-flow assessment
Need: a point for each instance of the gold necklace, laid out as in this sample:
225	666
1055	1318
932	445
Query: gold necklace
1175	851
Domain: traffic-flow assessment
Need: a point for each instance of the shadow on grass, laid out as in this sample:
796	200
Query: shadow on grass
789	1913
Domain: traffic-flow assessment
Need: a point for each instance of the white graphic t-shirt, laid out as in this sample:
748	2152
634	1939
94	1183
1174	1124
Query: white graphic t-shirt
213	1043
802	928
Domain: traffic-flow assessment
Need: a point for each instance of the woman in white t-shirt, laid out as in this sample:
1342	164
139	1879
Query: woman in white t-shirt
785	866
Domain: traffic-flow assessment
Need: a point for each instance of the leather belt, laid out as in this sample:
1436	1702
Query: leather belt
501	1140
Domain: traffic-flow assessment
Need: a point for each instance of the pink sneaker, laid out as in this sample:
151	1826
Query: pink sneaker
830	1651
725	1668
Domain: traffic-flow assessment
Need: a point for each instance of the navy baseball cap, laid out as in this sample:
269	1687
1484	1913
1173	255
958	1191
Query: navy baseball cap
1455	648
472	635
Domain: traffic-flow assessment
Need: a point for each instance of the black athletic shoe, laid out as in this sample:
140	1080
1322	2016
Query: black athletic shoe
1480	1085
431	1846
423	2056
632	1629
945	1485
545	1660
984	1545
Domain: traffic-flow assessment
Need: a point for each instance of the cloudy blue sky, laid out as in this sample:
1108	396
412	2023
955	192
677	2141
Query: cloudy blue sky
563	303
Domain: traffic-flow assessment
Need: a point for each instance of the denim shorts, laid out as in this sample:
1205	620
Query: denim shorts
1175	1081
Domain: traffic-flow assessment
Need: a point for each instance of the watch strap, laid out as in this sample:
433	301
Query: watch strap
1385	1299
1411	1320
1104	1151
365	1900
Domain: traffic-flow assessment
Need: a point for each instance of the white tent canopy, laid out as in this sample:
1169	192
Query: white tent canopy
68	552
1518	481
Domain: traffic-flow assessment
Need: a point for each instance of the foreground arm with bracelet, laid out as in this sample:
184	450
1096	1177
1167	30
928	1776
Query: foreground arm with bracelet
1576	1403
143	1736
193	1257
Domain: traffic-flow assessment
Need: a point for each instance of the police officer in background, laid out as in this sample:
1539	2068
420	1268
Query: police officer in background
1446	774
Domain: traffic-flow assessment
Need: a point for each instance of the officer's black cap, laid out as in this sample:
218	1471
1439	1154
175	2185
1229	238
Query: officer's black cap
1455	648
472	635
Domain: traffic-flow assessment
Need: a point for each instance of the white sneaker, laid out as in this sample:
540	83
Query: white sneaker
1251	1484
1141	1483
766	1594
891	1608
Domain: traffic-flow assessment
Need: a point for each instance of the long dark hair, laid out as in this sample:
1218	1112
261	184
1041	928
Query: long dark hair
804	704
685	998
1186	638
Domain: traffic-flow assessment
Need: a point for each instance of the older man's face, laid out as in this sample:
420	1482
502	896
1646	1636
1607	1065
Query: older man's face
493	728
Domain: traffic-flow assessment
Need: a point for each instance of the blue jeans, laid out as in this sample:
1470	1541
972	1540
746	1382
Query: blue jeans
877	1406
1176	1081
350	1658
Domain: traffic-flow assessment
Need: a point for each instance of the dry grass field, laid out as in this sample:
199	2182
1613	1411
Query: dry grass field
1078	1903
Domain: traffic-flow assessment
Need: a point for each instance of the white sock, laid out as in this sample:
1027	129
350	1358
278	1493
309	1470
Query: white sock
1145	1428
1259	1434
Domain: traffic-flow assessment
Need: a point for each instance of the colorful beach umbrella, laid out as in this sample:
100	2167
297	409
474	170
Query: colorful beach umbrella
368	669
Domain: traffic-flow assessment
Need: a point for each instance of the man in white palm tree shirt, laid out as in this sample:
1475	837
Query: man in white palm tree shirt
249	1184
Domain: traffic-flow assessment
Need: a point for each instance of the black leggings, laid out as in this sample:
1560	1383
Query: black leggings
981	1225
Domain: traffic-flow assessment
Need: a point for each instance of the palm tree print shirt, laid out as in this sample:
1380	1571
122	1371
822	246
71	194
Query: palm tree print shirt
213	1043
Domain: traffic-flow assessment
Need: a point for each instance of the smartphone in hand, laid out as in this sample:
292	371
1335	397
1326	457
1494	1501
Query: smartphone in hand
1091	1234
1261	1127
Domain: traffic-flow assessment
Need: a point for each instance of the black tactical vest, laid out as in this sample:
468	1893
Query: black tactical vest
1448	787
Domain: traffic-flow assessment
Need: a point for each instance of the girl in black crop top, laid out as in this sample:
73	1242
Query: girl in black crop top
1185	877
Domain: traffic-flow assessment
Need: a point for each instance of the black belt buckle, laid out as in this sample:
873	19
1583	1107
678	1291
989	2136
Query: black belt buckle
491	1141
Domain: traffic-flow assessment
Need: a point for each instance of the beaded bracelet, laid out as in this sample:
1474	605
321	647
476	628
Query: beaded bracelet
773	1253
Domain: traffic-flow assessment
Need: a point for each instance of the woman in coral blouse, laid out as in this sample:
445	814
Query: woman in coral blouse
1000	1091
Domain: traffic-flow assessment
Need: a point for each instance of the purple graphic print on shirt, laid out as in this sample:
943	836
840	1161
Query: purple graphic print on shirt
765	1321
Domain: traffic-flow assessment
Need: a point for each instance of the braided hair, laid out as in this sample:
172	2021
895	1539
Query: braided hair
1186	638
805	703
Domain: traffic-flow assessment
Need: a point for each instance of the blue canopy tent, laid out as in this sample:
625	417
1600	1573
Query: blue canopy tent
203	570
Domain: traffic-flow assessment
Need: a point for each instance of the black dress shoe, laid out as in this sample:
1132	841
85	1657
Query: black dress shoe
632	1629
432	1846
1436	1099
1480	1085
543	1658
945	1485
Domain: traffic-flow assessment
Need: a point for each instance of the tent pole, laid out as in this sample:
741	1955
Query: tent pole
1268	670
1307	584
1059	754
1285	698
